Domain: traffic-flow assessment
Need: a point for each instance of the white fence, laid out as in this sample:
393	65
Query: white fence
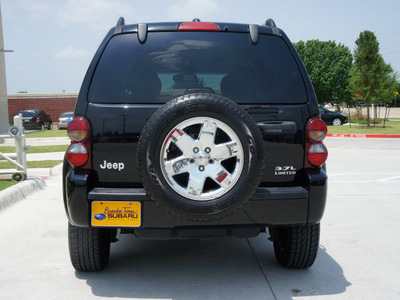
19	158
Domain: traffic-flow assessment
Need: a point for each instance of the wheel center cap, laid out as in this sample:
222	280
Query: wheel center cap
201	158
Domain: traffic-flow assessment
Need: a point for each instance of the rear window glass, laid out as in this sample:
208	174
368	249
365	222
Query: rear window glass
27	113
67	115
171	64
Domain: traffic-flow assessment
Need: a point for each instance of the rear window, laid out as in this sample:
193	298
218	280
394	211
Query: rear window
67	115
171	64
27	113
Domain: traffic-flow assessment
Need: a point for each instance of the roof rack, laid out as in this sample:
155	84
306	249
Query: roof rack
120	23
142	32
253	30
270	23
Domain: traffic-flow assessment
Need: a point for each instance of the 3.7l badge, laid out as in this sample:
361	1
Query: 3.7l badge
285	170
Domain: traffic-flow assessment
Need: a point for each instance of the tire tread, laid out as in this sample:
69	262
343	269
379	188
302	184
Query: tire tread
89	248
296	247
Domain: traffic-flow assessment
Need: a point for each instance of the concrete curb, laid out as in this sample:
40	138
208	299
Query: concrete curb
364	136
20	191
23	189
57	170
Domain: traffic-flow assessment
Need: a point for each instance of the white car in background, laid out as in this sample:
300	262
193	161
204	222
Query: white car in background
64	120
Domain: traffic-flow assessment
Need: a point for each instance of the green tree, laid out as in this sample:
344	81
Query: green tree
372	78
389	84
328	64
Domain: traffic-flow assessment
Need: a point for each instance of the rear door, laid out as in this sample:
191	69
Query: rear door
132	80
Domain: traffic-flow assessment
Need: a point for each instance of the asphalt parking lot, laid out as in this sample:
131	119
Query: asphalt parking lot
358	256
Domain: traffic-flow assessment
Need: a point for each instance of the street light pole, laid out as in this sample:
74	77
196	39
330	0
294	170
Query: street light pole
3	86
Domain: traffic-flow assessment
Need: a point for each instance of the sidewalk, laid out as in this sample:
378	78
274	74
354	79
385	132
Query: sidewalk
40	141
36	176
42	172
42	156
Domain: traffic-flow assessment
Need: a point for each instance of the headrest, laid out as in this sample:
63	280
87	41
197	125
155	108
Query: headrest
143	83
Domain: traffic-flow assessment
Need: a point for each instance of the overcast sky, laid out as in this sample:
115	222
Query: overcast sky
54	41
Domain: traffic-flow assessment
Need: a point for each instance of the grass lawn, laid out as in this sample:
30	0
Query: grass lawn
32	164
5	183
47	133
38	149
391	127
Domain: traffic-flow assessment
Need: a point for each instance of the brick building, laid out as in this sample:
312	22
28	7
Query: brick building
52	104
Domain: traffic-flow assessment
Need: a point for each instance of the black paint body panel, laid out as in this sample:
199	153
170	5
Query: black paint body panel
269	206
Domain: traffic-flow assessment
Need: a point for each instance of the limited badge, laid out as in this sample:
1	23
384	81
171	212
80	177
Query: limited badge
285	170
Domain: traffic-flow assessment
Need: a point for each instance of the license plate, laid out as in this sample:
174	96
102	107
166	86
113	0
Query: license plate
116	214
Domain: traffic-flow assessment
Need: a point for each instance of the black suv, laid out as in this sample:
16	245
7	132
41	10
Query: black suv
195	130
35	119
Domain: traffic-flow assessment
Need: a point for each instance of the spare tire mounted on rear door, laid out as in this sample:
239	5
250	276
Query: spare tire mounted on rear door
200	157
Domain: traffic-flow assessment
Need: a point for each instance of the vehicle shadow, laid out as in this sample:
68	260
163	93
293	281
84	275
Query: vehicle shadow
208	269
325	277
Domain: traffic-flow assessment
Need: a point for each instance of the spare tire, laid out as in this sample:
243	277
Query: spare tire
200	157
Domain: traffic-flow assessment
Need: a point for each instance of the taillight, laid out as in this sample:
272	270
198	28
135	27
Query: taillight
198	26
316	129
37	120
78	129
58	121
78	153
316	152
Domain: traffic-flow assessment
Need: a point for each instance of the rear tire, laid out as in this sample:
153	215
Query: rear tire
296	247
89	248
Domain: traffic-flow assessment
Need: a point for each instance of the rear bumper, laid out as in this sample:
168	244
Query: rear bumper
62	125
270	205
31	125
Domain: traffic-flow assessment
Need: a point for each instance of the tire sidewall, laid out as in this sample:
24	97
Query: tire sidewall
340	122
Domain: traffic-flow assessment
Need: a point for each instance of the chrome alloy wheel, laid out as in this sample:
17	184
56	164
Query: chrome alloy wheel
201	158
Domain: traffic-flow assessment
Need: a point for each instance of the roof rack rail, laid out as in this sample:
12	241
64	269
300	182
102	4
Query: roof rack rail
142	32
120	23
253	30
270	23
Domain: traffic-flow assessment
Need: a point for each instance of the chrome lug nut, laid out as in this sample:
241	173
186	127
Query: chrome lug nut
208	150
195	149
201	168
